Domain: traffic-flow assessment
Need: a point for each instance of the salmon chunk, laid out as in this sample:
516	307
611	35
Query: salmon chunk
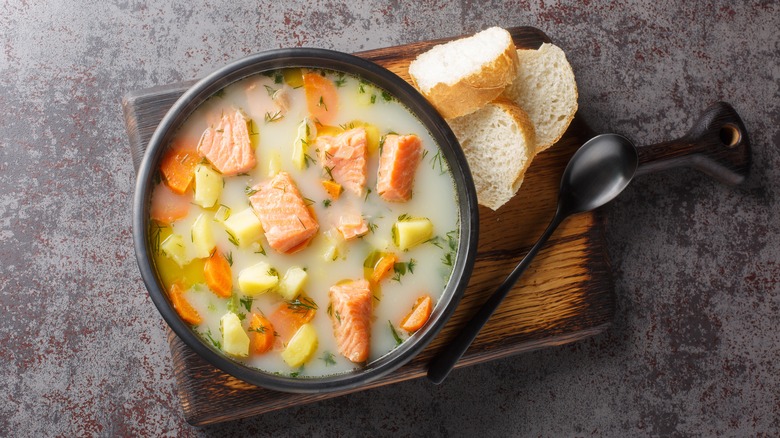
352	225
344	158
287	222
401	155
351	315
228	146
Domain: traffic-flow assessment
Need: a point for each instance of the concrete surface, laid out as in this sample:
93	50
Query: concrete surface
695	346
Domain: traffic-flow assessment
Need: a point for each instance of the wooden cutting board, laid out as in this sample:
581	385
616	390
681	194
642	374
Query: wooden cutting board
566	295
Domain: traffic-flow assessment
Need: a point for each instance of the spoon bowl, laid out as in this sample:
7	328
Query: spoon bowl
597	173
599	170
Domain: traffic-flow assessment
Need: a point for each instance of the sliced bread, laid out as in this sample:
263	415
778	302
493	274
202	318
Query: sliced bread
546	90
499	143
461	76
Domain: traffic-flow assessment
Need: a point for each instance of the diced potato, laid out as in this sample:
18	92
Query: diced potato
208	186
257	279
274	164
222	214
174	248
235	341
292	283
409	232
202	236
299	148
245	227
301	347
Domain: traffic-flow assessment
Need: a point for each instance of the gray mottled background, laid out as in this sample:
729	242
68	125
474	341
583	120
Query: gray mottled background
695	345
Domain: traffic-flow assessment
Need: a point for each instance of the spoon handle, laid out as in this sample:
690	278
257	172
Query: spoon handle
442	364
717	144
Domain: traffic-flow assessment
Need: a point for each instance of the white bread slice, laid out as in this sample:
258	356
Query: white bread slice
546	90
461	76
499	143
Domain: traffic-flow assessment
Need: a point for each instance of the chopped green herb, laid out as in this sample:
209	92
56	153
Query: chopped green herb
338	316
295	374
232	238
247	303
373	98
340	82
387	96
301	304
372	227
330	309
275	117
220	93
329	171
250	191
403	217
278	78
308	201
425	153
438	161
401	268
328	358
260	329
212	307
398	340
270	90
325	203
261	250
368	192
322	103
252	130
215	342
361	89
308	159
229	258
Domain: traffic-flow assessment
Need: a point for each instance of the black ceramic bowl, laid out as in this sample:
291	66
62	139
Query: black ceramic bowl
430	118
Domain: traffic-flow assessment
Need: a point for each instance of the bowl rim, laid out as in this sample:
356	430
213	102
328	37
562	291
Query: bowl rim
430	119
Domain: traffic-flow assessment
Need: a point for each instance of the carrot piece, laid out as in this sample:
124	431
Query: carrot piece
291	315
261	333
322	98
333	188
419	314
178	168
182	306
218	275
168	207
383	267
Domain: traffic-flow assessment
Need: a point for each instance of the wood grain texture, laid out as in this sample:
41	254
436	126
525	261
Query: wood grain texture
566	294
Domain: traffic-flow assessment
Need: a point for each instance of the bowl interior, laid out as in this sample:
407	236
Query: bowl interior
437	127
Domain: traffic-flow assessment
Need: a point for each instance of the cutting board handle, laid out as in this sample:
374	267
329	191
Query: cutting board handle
717	144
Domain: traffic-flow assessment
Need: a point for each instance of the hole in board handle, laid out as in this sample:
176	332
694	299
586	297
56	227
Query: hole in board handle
730	135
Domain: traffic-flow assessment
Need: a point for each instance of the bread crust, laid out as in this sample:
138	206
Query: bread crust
475	90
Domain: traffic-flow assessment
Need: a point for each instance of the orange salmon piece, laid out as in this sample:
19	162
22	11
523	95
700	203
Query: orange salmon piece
351	315
344	158
322	99
401	154
287	222
167	206
228	146
352	225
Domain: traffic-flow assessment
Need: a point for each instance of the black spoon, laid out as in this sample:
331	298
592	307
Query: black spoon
595	175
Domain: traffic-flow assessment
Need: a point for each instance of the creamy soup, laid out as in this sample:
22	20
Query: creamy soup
304	222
